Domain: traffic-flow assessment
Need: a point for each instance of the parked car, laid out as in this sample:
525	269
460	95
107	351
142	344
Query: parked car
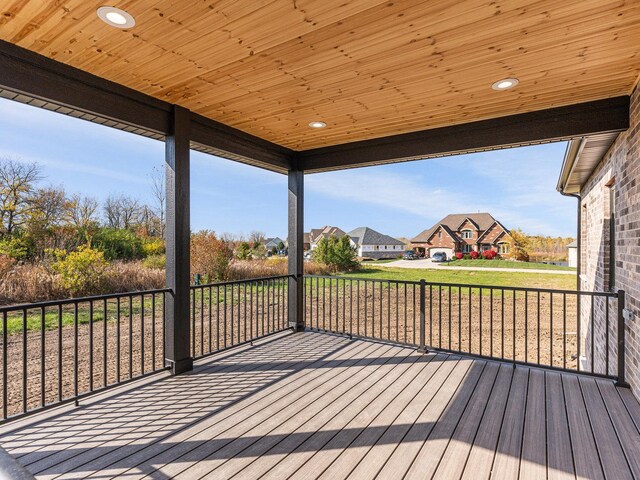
409	255
439	257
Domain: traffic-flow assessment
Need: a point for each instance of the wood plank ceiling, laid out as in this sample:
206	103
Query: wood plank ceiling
368	68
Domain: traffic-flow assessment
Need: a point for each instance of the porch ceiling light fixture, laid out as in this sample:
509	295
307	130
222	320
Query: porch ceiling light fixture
505	84
115	17
317	124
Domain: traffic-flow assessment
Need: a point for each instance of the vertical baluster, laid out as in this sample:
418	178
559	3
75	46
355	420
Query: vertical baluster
90	345
564	330
414	314
104	343
231	309
351	308
118	339
330	306
201	291
551	328
606	337
579	332
502	321
592	326
449	298
365	307
491	321
251	309
224	320
470	326
142	335
75	350
5	410
164	336
440	316
358	306
153	331
480	322
405	312
24	360
193	320
430	315
244	302
538	321
514	324
59	352
459	319
526	326
263	306
397	311
130	336
42	357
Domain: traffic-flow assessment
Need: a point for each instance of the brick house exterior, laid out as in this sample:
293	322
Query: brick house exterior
609	230
463	232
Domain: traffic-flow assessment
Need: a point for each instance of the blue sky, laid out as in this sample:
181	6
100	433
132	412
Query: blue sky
516	185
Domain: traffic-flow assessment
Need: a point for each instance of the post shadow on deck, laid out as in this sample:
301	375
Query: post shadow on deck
177	309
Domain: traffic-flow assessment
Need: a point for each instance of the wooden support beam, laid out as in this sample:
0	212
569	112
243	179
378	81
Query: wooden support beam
177	311
296	249
32	78
561	123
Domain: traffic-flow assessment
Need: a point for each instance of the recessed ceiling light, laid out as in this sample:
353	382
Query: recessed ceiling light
317	124
116	17
505	84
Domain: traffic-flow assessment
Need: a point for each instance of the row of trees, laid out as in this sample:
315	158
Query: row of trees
35	218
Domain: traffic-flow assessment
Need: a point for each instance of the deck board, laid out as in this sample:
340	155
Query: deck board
314	405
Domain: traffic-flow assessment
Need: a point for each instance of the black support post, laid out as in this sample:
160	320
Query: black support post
178	353
296	249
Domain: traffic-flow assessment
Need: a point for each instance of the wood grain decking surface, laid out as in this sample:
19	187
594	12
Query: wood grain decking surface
313	405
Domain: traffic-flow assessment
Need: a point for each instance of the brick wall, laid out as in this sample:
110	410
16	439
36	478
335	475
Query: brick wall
620	168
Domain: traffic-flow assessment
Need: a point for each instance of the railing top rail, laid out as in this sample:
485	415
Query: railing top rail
478	286
246	280
72	301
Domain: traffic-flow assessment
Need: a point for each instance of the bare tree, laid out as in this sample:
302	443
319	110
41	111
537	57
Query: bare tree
256	238
17	182
122	211
48	207
159	193
82	211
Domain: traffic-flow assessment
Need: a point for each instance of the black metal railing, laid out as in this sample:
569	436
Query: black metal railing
559	329
228	314
59	351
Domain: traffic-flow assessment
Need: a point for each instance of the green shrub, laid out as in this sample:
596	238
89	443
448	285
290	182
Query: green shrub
19	247
155	261
118	244
153	247
336	253
82	272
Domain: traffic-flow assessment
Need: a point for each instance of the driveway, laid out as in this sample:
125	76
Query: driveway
429	264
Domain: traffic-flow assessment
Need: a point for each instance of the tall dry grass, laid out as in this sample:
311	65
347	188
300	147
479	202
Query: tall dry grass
36	282
246	269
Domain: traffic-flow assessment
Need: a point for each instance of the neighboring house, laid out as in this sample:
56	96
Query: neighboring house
306	242
372	244
325	232
463	232
407	243
603	173
572	254
271	243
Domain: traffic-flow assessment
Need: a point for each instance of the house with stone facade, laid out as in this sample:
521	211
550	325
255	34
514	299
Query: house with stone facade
463	232
316	234
603	173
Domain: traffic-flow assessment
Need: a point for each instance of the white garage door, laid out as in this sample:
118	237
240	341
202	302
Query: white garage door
447	251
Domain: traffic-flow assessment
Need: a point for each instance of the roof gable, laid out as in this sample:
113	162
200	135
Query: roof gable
368	236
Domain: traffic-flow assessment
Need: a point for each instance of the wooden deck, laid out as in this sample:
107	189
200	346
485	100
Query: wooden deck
320	406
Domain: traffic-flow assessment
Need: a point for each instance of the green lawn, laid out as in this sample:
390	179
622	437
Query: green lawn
465	277
506	264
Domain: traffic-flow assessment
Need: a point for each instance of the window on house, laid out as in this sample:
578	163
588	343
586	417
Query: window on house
503	248
466	234
439	234
466	248
484	247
